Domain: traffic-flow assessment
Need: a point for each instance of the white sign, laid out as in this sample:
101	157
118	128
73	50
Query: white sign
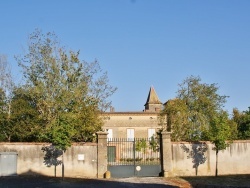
80	157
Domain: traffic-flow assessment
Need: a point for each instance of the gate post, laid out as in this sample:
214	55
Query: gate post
101	154
166	153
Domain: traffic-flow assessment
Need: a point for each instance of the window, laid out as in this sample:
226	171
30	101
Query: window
130	134
151	132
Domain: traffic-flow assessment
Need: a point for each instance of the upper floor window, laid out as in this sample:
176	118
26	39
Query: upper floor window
110	134
130	134
151	132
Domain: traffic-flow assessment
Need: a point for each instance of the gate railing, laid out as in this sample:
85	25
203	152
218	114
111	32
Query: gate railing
135	151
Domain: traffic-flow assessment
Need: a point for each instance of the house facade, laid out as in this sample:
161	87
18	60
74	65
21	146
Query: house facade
135	124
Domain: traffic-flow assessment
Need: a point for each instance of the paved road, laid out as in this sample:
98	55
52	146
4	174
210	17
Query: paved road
44	182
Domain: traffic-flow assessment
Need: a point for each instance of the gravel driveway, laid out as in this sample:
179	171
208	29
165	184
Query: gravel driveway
43	182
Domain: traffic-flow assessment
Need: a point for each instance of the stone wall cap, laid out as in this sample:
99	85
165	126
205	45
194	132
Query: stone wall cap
130	113
8	153
46	143
208	142
102	133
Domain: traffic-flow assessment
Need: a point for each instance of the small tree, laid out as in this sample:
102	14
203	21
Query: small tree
221	133
141	145
154	143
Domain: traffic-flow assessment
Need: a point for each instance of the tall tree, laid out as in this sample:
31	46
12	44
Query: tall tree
193	109
64	89
197	114
68	93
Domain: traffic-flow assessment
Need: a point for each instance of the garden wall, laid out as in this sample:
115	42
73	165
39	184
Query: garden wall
200	159
80	160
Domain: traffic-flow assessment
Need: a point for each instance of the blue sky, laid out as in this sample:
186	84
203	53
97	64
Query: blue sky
143	43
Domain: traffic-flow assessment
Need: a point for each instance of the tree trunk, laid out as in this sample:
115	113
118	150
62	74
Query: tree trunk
55	170
62	166
216	166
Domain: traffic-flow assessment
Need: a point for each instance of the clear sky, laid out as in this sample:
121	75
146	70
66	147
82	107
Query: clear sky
143	43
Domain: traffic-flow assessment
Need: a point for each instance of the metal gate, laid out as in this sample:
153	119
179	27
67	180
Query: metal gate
134	157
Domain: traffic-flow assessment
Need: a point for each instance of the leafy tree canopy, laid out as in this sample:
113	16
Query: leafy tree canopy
193	109
242	119
222	131
197	114
68	93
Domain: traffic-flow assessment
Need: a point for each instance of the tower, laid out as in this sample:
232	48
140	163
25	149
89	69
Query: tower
153	104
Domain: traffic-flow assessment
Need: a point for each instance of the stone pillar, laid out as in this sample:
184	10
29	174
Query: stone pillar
101	154
166	154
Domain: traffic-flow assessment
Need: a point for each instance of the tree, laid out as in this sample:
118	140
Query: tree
18	122
6	91
68	93
197	114
27	125
64	89
177	119
193	109
221	133
242	119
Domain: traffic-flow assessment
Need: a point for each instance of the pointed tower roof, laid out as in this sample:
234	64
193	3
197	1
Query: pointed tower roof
152	97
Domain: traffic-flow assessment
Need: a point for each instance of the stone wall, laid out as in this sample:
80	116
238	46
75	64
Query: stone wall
194	159
179	158
30	160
